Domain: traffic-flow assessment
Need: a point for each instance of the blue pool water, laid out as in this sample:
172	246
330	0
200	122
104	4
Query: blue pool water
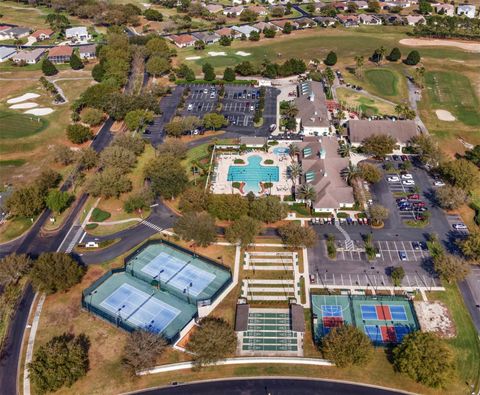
253	173
281	150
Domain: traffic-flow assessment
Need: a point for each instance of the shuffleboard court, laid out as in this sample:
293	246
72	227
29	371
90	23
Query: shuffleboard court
140	308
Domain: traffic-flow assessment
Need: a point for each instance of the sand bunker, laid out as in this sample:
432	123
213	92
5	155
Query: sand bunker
40	111
445	115
417	42
26	96
241	53
217	53
24	105
193	58
435	317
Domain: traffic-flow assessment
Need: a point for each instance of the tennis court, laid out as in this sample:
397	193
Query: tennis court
186	275
384	319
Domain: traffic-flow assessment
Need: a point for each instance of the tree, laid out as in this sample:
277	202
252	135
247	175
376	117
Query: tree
379	145
369	172
227	207
296	236
137	201
373	6
92	116
174	147
419	76
58	201
213	340
60	362
287	28
294	172
397	274
118	158
424	7
350	173
78	133
331	59
142	350
449	197
26	201
55	271
413	58
461	173
378	55
63	155
185	72
347	345
157	46
153	15
254	36
425	358
245	68
13	267
87	158
199	227
473	155
158	66
57	21
225	41
395	55
48	68
269	33
229	74
248	15
359	63
450	267
111	182
378	214
133	143
137	119
427	149
47	179
268	209
167	176
405	112
199	45
306	193
214	121
471	246
98	72
243	231
208	72
75	62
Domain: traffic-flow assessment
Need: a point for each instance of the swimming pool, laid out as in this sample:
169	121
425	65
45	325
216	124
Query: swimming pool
281	151
253	174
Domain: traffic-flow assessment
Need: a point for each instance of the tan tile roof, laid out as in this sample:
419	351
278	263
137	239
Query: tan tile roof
63	50
402	131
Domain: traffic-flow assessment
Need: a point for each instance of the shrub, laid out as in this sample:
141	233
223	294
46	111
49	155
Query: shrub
78	134
99	215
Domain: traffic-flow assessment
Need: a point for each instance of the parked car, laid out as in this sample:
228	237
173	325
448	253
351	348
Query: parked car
415	245
312	279
91	244
439	183
404	157
419	204
419	217
407	176
414	196
408	182
402	199
406	208
421	209
205	91
393	179
190	107
395	157
403	255
459	226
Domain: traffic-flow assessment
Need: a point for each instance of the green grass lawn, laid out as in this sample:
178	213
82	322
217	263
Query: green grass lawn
16	125
384	81
14	228
359	102
452	91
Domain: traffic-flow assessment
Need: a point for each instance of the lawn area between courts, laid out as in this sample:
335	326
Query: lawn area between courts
367	105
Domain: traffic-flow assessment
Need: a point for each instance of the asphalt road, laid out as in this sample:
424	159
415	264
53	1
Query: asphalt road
270	386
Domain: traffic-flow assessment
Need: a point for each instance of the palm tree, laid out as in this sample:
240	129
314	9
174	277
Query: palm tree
307	193
293	150
295	171
350	173
344	150
359	61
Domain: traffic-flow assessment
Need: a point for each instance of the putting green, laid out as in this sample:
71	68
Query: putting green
15	125
384	81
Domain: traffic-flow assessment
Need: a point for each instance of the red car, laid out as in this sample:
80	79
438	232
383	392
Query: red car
419	204
414	196
419	217
404	158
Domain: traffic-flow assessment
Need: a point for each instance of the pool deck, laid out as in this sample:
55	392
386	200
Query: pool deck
220	185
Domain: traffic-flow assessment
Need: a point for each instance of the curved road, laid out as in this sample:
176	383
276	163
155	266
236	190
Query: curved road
270	386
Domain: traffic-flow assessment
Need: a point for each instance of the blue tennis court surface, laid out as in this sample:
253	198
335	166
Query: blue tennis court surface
192	279
142	309
401	332
398	313
164	266
368	312
331	311
374	333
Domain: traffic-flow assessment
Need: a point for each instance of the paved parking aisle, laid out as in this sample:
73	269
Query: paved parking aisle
455	222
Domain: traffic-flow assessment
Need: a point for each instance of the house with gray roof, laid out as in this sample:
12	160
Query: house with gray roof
87	51
467	10
6	53
79	33
245	29
312	118
14	32
28	57
207	37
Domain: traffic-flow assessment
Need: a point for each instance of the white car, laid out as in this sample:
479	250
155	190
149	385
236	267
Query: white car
205	91
91	244
407	176
393	179
190	107
252	108
459	226
439	183
408	182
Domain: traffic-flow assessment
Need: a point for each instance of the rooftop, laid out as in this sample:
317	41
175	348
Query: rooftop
63	50
402	131
311	104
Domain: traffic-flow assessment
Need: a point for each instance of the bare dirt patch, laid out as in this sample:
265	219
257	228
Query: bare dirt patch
435	317
444	115
418	42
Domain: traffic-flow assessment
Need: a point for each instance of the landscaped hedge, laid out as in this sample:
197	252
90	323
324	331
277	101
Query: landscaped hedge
268	161
239	161
99	215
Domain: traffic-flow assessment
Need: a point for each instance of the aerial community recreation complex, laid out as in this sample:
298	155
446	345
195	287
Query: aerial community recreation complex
240	197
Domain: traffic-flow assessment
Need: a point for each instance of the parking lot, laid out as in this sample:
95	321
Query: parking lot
455	221
201	100
388	251
240	104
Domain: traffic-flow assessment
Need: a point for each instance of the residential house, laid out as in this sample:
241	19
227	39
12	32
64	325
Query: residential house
28	57
444	8
325	21
60	54
368	19
214	8
258	9
398	3
233	11
245	29
42	34
305	23
79	33
183	40
322	167
264	25
87	51
6	53
343	6
318	6
393	19
312	118
280	24
13	32
414	20
467	10
207	37
348	20
402	131
226	31
361	5
237	2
